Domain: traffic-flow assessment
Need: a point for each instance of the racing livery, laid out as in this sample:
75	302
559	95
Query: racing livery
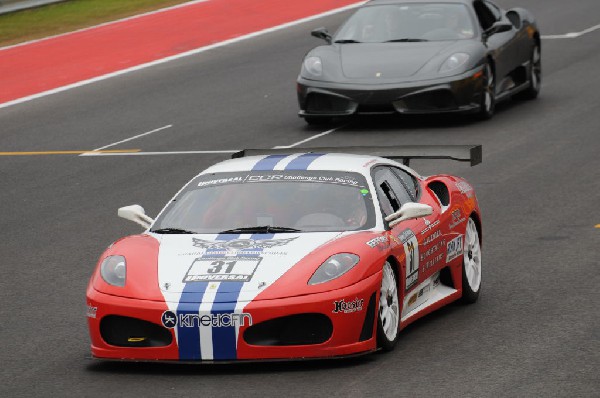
283	255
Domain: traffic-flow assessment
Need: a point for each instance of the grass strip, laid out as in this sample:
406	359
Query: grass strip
54	19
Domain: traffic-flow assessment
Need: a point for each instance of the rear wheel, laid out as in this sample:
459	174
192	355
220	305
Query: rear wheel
471	272
488	95
388	319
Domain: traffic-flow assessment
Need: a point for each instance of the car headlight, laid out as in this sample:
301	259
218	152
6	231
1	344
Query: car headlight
313	66
114	270
334	267
454	61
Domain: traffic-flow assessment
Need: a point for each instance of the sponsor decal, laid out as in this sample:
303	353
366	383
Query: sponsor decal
347	307
411	251
436	280
412	300
91	311
217	320
222	269
433	261
433	249
423	290
457	218
241	244
380	242
429	226
454	248
432	237
463	187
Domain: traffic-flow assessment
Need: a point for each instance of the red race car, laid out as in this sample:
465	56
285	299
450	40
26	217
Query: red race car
280	255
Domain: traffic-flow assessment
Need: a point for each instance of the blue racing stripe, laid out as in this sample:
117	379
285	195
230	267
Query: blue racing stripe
224	339
303	161
268	162
188	339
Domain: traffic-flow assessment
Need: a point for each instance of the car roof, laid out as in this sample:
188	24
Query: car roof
303	161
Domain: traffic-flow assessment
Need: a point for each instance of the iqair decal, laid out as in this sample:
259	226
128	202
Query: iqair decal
411	251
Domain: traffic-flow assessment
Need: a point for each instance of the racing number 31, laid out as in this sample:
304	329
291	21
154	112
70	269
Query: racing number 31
217	266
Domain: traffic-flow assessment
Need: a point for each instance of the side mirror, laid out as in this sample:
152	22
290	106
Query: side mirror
135	213
409	211
499	27
322	33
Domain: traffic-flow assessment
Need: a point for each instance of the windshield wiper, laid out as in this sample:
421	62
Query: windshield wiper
405	40
265	229
172	231
344	41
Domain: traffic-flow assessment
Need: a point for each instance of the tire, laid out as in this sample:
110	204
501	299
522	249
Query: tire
488	94
471	270
316	120
388	316
535	75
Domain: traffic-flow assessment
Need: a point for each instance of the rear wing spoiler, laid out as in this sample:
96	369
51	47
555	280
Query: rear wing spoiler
462	153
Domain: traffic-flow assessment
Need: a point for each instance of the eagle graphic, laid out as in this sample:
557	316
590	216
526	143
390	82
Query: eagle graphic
241	244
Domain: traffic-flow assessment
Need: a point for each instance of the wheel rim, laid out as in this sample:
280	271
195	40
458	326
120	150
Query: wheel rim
489	87
536	73
472	256
389	309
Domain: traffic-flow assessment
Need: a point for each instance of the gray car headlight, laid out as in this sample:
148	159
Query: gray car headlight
334	267
454	61
314	66
114	270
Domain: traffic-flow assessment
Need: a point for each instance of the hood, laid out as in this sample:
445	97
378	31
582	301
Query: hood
237	267
387	60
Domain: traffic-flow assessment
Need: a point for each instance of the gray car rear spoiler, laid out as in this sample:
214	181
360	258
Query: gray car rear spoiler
463	153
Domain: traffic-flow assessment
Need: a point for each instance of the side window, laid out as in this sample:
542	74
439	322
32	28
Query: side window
494	10
484	14
409	182
391	190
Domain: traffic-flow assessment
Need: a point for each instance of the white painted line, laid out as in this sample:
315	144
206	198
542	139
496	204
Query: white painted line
310	138
224	151
106	23
178	56
572	35
127	139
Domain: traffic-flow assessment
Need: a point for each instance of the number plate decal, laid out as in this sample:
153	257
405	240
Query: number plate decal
222	269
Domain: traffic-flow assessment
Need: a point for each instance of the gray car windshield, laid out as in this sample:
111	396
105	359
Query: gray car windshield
407	22
270	202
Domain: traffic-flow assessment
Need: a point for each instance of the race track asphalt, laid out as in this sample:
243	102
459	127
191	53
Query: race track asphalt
534	332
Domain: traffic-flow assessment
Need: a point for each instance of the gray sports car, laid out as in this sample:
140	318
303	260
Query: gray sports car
421	56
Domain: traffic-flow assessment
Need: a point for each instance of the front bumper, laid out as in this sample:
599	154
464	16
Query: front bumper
461	93
287	328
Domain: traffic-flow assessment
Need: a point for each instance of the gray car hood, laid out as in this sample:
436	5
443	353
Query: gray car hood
387	60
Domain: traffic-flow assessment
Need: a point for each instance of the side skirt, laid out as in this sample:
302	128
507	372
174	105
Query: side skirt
425	298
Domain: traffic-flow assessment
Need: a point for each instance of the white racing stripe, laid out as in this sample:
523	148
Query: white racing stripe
572	35
178	56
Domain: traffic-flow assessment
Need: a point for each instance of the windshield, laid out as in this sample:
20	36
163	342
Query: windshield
407	22
290	201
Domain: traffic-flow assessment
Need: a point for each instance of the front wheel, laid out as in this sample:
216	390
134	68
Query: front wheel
535	75
471	270
388	319
488	95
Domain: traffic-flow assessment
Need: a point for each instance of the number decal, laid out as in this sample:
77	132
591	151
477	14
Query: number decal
222	269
